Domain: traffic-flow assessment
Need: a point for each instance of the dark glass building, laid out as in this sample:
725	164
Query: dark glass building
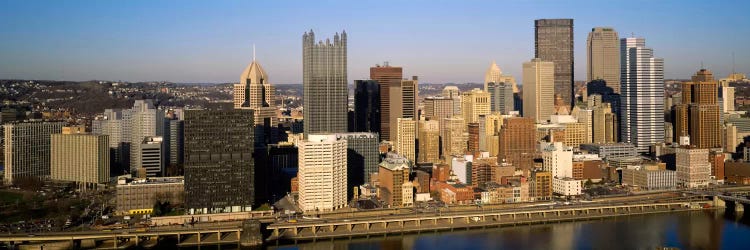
554	43
219	164
366	106
363	157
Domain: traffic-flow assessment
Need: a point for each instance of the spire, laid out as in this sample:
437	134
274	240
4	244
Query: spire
253	52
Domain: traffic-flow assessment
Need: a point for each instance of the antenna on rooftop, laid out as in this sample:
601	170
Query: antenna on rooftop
702	65
733	69
253	52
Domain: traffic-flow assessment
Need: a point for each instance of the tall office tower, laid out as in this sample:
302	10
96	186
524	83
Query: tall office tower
642	94
141	122
256	92
558	159
538	89
606	93
490	127
585	117
517	142
393	174
174	137
495	75
603	57
473	104
554	43
452	92
389	79
27	149
454	139
693	167
362	157
367	106
439	108
409	98
429	141
405	138
474	134
219	164
322	173
324	82
501	97
699	113
79	157
152	156
604	124
727	99
111	123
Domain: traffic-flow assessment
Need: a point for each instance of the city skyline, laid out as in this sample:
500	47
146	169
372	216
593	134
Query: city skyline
142	43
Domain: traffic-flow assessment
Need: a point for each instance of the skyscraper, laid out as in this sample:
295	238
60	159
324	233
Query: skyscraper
324	80
454	93
603	57
142	120
454	137
112	123
362	157
698	115
554	43
405	138
219	164
389	79
27	149
429	141
322	173
538	89
256	92
366	106
501	97
642	98
409	98
152	156
517	142
494	74
473	104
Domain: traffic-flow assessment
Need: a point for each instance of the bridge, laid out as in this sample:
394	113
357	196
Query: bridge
737	201
323	229
233	233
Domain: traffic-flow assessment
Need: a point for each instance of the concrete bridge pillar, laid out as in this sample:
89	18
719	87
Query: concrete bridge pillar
199	238
450	220
367	226
315	230
275	232
332	228
115	242
739	207
718	202
295	231
601	210
349	227
558	213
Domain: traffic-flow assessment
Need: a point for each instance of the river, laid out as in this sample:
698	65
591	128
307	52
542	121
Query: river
681	230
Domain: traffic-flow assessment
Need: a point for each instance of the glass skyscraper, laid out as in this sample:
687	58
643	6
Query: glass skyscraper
324	83
642	98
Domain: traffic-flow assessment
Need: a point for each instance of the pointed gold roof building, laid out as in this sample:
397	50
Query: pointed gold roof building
255	92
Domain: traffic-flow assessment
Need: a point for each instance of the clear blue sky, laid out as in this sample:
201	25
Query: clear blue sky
440	41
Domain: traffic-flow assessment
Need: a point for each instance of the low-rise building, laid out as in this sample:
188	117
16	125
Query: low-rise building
566	186
138	194
649	177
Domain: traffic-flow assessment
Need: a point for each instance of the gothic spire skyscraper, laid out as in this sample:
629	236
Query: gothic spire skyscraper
324	81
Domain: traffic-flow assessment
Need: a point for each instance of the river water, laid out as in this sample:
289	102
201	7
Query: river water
680	230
